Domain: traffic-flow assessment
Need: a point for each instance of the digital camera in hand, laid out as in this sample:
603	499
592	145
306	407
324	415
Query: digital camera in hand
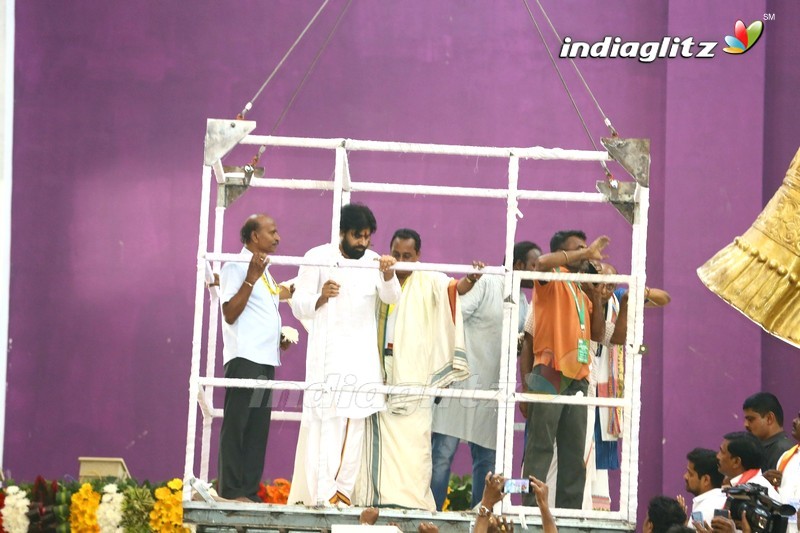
762	512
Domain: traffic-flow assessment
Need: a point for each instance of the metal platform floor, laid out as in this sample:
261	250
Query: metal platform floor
260	518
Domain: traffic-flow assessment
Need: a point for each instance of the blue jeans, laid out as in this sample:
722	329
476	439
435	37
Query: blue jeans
443	450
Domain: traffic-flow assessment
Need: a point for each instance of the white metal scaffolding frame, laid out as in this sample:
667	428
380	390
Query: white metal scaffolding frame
222	136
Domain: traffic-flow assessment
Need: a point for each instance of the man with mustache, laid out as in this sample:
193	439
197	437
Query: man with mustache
339	304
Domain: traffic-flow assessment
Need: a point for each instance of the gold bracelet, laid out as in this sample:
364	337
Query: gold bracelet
484	511
566	257
248	283
469	279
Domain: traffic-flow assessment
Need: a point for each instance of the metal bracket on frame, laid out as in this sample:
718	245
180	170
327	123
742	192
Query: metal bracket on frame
633	155
236	185
222	136
621	197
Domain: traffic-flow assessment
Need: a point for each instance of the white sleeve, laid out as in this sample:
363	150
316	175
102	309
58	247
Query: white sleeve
389	291
306	292
231	278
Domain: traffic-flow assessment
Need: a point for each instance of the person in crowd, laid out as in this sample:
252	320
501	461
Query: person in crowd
789	474
663	513
339	304
475	421
763	417
251	334
740	457
493	492
704	481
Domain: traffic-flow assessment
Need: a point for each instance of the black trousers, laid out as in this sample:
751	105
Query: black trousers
245	428
566	425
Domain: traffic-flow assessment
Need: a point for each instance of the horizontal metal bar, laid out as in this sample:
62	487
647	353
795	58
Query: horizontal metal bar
429	190
350	263
413	390
535	152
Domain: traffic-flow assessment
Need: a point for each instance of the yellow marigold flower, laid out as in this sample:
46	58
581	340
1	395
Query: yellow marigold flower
175	484
162	493
83	510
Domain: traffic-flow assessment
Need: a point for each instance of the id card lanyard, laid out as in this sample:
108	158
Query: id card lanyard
583	345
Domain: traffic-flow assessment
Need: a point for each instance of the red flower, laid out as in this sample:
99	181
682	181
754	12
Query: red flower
262	493
2	504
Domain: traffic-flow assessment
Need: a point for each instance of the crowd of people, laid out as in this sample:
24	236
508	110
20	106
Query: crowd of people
369	327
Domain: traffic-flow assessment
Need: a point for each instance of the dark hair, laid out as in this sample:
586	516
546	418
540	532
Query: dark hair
357	217
521	250
746	447
706	464
560	237
250	225
764	403
405	233
665	512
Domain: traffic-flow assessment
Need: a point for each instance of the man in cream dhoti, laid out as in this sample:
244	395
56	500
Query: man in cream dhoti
339	306
422	342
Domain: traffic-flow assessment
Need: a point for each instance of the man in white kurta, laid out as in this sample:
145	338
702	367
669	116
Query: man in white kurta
339	304
475	421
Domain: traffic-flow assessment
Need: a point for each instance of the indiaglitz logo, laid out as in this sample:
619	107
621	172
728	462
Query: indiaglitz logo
645	52
740	42
743	38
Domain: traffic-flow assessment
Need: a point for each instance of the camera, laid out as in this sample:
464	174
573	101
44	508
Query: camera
517	486
762	512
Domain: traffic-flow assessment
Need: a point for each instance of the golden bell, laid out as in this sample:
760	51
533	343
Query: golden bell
759	273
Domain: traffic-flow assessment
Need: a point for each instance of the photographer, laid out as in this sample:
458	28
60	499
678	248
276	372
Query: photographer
722	524
487	522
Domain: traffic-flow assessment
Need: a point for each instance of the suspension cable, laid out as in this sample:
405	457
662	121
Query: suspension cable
309	70
606	120
606	170
249	104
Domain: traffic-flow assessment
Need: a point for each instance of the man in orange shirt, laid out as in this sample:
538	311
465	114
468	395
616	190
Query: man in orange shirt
555	360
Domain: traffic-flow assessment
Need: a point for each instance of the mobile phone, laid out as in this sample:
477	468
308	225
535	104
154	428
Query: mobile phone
517	486
697	516
724	513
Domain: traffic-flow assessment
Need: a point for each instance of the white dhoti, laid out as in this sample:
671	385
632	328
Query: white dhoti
425	336
343	353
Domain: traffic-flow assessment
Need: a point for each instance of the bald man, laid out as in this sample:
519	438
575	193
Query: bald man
251	332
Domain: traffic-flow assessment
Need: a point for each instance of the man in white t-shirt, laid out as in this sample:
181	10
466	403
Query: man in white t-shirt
251	332
704	481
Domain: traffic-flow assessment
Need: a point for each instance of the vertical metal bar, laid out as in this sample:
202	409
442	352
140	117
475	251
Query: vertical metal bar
512	208
629	488
508	384
197	336
345	179
211	353
338	178
6	154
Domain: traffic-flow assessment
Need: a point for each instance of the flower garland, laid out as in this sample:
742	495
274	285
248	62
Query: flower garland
15	511
109	513
167	513
83	510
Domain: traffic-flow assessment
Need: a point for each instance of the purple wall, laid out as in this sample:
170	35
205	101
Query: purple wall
110	117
